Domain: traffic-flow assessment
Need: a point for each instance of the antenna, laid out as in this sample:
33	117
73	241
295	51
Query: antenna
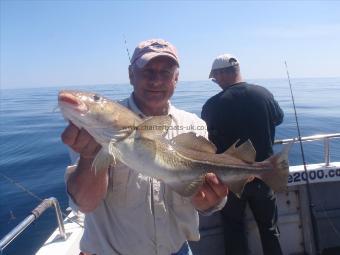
309	194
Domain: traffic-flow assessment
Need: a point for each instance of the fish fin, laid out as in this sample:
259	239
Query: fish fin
189	188
278	178
232	149
237	186
154	126
193	142
245	151
115	135
102	161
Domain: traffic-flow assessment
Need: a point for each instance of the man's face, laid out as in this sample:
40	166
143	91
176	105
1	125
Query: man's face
220	76
224	77
154	84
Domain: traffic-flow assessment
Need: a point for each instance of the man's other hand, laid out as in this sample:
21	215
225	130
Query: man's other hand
212	192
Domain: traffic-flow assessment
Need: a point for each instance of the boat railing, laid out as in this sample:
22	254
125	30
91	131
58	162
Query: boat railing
325	137
35	214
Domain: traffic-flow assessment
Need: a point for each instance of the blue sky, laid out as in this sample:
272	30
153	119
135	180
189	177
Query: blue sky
60	43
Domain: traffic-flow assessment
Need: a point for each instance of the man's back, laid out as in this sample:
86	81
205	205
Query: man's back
243	111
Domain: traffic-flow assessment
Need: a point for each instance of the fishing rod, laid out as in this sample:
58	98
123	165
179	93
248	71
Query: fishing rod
127	49
309	194
128	53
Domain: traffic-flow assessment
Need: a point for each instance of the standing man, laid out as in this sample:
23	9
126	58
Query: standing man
126	212
243	111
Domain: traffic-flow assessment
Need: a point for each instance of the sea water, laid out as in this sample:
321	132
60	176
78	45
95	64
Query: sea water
33	156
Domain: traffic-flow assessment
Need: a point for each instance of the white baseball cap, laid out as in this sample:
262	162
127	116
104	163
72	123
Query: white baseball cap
223	61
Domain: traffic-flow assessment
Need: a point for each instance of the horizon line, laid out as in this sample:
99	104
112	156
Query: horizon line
127	83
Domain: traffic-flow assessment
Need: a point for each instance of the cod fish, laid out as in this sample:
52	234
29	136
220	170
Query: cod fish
181	162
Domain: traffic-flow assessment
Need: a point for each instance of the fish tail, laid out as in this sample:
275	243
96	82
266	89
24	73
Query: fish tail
278	178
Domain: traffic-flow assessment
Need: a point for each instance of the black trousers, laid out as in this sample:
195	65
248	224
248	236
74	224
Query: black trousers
262	202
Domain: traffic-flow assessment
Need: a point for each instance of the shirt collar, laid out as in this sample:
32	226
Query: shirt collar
132	106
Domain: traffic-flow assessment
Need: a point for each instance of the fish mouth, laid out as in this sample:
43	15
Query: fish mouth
69	100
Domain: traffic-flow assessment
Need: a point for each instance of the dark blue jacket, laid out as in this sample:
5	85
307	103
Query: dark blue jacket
243	111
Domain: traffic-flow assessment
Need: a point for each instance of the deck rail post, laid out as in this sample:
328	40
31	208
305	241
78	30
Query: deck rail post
326	151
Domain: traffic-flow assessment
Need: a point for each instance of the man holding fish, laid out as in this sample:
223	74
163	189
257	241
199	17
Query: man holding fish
141	177
128	212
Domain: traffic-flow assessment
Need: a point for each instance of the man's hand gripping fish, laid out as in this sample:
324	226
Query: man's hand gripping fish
181	162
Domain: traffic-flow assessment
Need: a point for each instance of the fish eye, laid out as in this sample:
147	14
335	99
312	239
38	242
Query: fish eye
96	98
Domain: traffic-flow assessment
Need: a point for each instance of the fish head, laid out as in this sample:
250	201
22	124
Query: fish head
103	118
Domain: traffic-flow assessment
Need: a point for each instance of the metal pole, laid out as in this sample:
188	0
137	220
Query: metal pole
59	217
35	214
16	231
326	151
307	138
